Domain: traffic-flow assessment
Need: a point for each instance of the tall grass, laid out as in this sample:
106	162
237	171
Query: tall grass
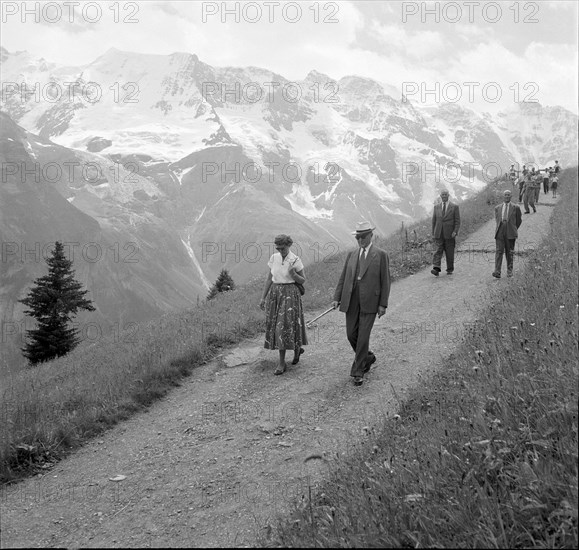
484	453
47	410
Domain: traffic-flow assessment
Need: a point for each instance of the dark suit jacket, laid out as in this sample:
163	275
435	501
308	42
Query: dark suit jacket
513	222
443	227
374	284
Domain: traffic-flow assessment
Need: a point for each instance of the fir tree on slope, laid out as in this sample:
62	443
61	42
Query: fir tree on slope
223	283
53	300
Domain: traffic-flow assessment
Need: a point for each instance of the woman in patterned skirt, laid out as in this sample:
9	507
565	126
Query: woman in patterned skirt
284	321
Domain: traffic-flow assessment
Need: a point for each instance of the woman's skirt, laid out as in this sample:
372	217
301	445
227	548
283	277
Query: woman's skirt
285	327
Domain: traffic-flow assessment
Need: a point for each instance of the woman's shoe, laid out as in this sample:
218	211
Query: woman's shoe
280	369
297	357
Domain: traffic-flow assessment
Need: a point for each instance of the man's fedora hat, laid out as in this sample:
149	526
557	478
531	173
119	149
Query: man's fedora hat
363	227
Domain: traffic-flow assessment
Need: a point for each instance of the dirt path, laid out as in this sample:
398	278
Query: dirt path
215	460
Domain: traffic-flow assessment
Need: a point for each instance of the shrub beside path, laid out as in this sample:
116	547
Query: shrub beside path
214	462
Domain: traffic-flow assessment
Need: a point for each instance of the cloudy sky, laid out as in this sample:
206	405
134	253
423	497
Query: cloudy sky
528	49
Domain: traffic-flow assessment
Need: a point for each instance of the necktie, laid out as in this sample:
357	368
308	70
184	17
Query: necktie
359	265
506	212
443	209
362	259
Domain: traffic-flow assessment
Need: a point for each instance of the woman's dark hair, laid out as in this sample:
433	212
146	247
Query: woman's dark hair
283	240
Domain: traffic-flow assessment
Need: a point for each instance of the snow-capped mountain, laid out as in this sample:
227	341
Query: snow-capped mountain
202	166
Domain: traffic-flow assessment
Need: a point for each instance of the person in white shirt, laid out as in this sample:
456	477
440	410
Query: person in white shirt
554	184
285	326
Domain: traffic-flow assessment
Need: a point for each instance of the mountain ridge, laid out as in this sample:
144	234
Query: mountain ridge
190	158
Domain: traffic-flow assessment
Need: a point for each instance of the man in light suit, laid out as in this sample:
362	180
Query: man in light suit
445	226
362	292
508	218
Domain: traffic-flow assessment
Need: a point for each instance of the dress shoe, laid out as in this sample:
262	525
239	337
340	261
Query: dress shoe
496	274
534	210
296	359
450	272
509	273
358	380
434	272
371	360
527	211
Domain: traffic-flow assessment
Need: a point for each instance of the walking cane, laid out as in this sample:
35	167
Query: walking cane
319	316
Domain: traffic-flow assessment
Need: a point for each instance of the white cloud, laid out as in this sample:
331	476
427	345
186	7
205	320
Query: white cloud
541	64
368	40
415	46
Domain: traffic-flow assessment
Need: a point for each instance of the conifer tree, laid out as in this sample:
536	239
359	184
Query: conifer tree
53	301
223	283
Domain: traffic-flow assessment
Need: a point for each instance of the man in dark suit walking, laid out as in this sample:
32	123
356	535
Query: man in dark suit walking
445	226
362	292
508	218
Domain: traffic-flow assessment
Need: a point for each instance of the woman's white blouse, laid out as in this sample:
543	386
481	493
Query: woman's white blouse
280	267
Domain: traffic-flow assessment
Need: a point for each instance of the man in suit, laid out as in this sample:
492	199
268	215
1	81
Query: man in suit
508	218
445	226
362	292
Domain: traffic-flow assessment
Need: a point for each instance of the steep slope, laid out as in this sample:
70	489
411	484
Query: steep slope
132	262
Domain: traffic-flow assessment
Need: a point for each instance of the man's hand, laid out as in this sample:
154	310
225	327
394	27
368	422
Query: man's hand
453	234
335	304
381	311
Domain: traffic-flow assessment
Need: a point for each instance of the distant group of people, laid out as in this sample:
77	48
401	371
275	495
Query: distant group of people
363	289
529	183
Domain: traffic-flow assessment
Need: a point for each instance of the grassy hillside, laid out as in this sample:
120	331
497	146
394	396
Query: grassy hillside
47	410
483	454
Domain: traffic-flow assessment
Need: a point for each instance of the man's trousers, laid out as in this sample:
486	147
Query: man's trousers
546	185
529	198
504	246
358	328
446	246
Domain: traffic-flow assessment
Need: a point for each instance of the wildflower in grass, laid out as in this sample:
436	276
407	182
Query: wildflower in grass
413	498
